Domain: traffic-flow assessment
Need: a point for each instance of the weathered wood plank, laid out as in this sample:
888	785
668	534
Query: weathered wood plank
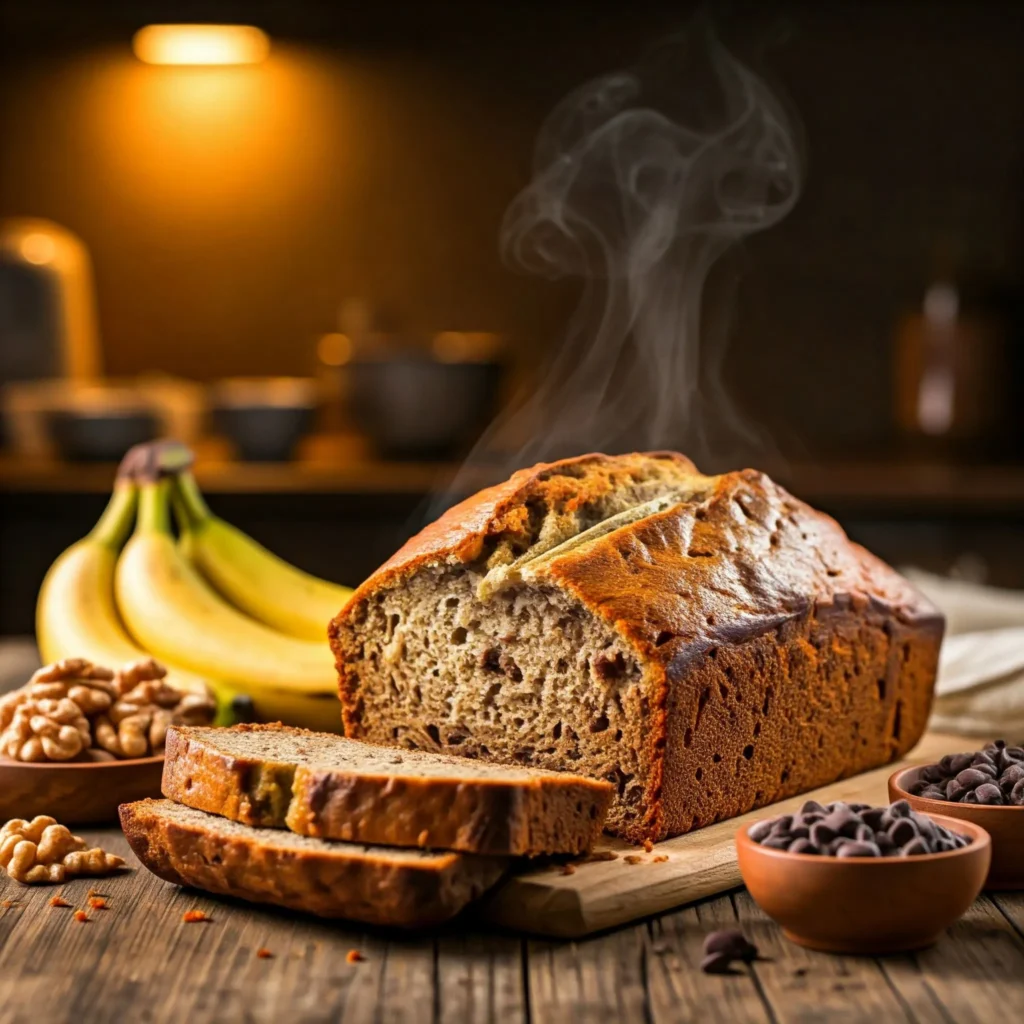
1012	906
481	978
140	960
977	970
595	980
678	990
804	986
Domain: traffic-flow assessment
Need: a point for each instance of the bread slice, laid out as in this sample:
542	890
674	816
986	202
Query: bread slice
376	884
708	644
324	785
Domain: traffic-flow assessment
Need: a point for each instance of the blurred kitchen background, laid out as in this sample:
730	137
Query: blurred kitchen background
293	264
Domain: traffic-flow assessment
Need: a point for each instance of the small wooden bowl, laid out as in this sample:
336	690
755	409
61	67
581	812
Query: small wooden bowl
866	905
1004	824
78	792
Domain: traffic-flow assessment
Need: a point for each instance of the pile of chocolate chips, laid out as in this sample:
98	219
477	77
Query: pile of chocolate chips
856	830
993	776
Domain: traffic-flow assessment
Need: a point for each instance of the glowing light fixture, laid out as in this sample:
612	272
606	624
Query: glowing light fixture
38	248
201	44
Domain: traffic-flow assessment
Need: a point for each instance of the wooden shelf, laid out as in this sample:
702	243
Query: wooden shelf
916	487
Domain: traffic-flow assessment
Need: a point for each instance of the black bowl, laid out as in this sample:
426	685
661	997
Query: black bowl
420	408
100	436
264	433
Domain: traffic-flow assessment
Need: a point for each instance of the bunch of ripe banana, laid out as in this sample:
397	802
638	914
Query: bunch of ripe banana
211	603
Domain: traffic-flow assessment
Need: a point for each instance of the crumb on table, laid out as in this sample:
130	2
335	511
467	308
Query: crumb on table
193	916
648	846
354	956
264	954
568	869
98	903
632	858
660	859
81	916
59	901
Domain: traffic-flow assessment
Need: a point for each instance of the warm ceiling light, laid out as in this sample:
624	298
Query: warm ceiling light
38	248
201	44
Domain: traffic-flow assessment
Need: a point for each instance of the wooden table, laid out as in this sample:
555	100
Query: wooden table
139	961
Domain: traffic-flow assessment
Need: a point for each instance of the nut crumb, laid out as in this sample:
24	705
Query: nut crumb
81	916
98	903
354	956
193	916
632	858
660	859
568	869
59	901
264	954
421	839
601	855
648	846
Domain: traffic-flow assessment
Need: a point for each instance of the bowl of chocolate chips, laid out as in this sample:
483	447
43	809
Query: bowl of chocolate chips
985	787
851	878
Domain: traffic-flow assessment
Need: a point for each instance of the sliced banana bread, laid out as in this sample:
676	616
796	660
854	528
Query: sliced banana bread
378	885
709	644
323	785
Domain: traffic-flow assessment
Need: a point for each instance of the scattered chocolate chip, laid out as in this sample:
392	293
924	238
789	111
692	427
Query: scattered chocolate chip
716	963
732	942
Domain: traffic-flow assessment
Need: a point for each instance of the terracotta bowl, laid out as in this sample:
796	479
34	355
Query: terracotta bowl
77	793
866	905
1004	824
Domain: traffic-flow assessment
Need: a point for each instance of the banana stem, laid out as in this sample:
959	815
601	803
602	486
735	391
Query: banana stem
116	522
190	501
154	510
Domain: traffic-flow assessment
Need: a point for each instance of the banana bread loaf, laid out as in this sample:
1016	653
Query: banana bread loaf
708	644
334	788
376	884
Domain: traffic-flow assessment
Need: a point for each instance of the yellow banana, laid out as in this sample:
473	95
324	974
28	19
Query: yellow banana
76	616
169	609
251	577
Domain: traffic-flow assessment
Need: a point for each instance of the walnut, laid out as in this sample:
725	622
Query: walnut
40	850
129	676
90	686
8	703
46	730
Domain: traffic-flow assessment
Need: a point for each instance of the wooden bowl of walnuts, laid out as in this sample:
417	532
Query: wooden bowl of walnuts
78	739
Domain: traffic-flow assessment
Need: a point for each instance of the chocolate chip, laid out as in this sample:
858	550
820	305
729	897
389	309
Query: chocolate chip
716	963
813	807
802	845
853	848
915	848
989	793
821	834
902	831
732	942
760	830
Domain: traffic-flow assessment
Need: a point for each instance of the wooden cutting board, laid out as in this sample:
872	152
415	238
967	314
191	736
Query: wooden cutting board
604	894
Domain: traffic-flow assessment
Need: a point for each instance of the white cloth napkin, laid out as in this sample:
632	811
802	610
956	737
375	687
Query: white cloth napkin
981	667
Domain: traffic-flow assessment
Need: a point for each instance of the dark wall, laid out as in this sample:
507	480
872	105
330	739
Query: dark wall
229	212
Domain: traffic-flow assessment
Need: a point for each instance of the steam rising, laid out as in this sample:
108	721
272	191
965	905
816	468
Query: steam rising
641	181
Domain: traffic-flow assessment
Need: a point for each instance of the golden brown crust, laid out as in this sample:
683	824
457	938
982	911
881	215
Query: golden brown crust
548	814
339	881
741	603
